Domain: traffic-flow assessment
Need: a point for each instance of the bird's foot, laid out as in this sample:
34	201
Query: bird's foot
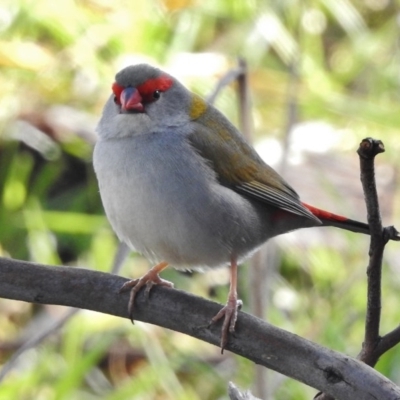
229	312
148	280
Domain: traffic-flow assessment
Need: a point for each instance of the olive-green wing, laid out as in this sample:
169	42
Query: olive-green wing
238	165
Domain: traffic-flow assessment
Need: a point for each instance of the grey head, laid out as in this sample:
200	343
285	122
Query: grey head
145	99
136	75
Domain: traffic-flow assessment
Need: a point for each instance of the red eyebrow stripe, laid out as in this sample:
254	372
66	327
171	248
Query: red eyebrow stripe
117	89
162	83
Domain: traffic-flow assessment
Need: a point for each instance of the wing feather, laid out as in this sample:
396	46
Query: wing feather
274	197
238	166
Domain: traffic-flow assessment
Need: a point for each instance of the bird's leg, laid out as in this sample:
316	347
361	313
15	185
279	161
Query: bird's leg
149	280
230	310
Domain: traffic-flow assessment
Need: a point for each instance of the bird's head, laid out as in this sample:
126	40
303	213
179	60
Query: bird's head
145	99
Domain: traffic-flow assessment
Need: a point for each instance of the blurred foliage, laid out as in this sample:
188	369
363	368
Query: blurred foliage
57	63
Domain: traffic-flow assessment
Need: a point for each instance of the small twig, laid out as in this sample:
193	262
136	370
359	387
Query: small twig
292	104
226	80
391	233
120	257
245	119
373	346
367	151
388	341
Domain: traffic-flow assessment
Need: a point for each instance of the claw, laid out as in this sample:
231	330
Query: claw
128	285
230	311
148	280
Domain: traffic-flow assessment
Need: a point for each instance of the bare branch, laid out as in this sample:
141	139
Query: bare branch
226	80
245	118
373	346
367	151
340	376
388	341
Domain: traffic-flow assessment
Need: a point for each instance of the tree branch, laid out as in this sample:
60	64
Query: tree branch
373	346
226	80
340	376
388	341
367	151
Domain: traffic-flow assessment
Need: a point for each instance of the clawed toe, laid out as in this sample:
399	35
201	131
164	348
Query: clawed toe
128	285
148	281
229	313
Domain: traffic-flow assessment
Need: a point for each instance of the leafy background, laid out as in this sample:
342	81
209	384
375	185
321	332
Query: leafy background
333	64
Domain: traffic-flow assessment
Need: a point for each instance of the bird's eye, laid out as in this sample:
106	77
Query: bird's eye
156	94
116	100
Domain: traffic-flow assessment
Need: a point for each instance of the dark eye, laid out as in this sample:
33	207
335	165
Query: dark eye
116	101
156	94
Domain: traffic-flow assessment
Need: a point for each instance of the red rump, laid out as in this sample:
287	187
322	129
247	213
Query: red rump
321	214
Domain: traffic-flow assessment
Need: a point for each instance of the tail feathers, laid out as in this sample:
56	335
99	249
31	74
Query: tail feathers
329	219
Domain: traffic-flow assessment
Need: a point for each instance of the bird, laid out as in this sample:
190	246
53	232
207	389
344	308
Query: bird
181	185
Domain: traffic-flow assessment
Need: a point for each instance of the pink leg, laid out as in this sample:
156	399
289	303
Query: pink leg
230	310
149	280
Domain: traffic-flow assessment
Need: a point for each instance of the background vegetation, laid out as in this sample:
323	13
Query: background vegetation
333	64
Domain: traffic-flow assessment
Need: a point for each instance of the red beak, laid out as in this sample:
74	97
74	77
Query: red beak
131	100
